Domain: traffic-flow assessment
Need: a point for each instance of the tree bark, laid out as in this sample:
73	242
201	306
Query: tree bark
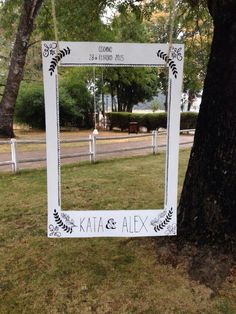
207	208
29	11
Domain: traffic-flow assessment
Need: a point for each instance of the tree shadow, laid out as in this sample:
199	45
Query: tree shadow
207	264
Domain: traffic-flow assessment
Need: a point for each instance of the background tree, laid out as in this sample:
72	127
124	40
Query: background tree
132	85
75	83
29	11
157	20
9	17
195	30
193	26
129	85
155	105
71	19
134	21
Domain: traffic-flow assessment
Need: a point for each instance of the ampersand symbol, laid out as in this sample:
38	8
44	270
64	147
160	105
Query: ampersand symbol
111	224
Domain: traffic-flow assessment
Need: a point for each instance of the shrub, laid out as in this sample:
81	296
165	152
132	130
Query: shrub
155	121
30	106
188	120
75	86
152	121
138	117
70	114
119	120
74	111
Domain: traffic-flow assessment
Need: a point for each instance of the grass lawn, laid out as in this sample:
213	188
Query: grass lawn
41	275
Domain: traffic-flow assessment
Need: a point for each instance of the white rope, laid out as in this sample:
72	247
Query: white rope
94	97
54	17
173	6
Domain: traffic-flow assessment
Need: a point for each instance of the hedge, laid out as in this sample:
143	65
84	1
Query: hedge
188	120
119	120
152	121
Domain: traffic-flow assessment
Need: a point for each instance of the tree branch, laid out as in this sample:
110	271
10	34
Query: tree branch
3	57
32	80
33	43
37	5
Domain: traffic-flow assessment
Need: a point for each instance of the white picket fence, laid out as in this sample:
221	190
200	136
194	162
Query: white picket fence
92	152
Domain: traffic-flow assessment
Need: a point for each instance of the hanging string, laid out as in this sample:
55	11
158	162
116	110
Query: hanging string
54	17
94	98
170	25
173	6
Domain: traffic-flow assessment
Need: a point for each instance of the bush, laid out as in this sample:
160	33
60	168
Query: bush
30	106
70	114
75	86
188	120
138	117
152	121
155	121
74	111
119	120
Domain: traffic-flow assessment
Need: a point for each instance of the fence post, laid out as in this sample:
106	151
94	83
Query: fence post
14	155
92	148
154	142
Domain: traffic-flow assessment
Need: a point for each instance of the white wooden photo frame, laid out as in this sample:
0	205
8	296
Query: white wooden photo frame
111	223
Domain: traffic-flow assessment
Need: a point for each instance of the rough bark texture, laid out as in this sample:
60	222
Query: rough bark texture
207	209
29	11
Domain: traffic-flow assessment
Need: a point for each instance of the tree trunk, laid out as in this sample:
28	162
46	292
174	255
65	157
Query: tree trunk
29	11
207	208
191	98
166	102
119	101
112	97
103	104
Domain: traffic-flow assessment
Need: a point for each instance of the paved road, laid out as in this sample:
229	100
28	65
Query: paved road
104	151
